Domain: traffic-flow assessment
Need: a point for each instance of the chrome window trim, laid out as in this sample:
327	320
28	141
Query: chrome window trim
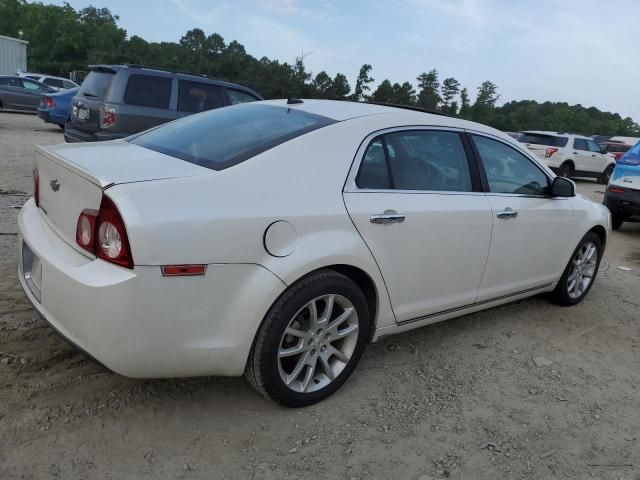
350	184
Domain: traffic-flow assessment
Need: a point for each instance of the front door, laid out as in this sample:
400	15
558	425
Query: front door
417	205
532	231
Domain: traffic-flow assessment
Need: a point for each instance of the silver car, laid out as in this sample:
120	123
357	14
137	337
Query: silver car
18	93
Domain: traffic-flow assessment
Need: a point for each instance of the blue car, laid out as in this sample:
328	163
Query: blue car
56	107
623	193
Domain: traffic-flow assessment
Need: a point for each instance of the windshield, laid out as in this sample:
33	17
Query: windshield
220	138
541	139
96	85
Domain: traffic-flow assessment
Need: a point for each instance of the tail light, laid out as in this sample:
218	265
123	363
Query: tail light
103	233
48	102
36	186
616	190
550	151
107	116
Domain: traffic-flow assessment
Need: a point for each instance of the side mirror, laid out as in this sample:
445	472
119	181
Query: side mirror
603	150
563	187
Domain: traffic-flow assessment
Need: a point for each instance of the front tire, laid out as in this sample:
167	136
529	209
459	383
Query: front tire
604	177
310	341
580	273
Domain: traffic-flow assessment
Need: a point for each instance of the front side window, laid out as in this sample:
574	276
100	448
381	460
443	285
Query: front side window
593	146
580	144
197	97
148	91
224	137
509	171
236	96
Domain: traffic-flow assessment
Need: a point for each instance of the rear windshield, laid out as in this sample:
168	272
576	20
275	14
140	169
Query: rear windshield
218	139
611	148
539	139
96	85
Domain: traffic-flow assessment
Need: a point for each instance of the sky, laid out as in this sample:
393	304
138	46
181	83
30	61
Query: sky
575	51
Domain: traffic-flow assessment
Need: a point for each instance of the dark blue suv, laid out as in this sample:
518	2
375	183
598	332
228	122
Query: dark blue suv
623	193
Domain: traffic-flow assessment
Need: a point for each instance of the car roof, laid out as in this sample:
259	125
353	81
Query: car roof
555	134
341	110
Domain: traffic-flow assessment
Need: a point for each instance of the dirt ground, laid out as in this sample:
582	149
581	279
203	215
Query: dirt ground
462	399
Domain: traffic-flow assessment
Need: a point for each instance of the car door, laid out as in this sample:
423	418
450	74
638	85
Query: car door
599	160
195	97
415	199
582	156
532	231
31	94
11	93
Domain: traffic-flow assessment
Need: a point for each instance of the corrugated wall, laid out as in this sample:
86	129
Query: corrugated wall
13	55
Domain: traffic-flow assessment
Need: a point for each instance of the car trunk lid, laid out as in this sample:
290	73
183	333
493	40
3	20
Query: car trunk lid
73	177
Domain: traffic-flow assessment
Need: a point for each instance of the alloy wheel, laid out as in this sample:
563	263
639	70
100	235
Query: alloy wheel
318	343
583	269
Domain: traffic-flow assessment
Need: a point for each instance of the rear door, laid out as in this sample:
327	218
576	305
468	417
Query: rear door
85	106
532	230
195	97
582	156
415	200
32	92
146	102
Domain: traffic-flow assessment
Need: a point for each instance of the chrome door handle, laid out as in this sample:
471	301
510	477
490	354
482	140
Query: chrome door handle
386	218
507	213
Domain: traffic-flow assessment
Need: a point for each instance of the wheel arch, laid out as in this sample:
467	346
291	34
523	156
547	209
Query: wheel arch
601	232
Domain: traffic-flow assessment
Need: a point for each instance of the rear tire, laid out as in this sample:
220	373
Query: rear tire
617	220
566	170
580	273
310	340
604	177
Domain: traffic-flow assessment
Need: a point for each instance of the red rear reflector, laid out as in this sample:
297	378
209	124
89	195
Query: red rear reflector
550	151
183	270
616	190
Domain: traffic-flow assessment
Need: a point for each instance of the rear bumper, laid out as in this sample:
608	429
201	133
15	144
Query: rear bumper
44	115
139	323
73	135
627	203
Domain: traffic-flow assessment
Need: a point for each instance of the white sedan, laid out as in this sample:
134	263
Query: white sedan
278	238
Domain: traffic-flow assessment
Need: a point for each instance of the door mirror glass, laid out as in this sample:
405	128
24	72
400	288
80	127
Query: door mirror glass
563	187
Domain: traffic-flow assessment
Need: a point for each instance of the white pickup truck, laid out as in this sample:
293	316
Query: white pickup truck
570	155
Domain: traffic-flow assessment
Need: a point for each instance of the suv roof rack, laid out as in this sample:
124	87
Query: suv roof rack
409	107
172	70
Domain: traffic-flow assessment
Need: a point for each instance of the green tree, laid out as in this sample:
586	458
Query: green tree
323	85
384	93
403	94
450	89
465	104
341	88
483	108
429	87
362	83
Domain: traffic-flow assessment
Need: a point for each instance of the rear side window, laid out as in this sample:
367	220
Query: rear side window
224	137
429	160
197	97
580	144
96	85
53	82
148	91
236	96
540	139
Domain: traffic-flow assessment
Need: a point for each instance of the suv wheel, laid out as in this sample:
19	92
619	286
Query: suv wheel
580	273
310	341
603	179
617	219
565	170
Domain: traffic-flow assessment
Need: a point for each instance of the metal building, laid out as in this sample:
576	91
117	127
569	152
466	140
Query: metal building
13	55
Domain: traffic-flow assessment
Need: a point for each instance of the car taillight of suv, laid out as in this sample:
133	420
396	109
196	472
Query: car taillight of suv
107	116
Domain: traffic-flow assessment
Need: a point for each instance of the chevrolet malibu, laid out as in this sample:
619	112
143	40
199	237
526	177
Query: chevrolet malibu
278	238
